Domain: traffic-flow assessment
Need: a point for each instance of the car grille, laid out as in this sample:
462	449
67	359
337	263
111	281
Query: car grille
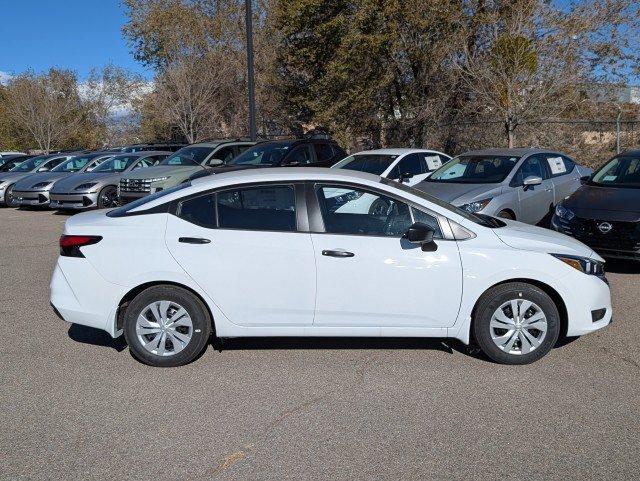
135	185
622	236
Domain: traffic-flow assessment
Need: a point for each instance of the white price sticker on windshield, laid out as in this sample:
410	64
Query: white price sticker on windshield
556	164
433	161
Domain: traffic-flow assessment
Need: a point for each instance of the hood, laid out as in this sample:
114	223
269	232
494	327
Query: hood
28	182
13	177
68	184
528	237
610	203
163	171
459	194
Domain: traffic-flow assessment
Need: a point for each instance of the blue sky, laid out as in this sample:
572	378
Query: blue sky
74	34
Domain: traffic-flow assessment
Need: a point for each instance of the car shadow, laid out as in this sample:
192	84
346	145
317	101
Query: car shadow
95	337
618	266
332	343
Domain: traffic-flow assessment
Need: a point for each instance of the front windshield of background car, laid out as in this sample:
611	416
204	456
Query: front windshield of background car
623	171
481	219
188	156
29	165
270	153
119	163
475	169
372	163
10	163
73	165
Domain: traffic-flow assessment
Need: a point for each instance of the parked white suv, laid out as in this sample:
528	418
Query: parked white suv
281	252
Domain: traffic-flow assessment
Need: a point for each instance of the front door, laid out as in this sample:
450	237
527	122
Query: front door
249	257
535	201
369	275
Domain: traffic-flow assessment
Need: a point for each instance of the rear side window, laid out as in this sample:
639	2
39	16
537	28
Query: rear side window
199	210
269	208
323	152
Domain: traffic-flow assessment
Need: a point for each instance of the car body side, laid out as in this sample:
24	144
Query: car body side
148	261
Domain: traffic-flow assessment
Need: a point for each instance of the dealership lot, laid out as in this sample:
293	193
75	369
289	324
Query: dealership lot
75	404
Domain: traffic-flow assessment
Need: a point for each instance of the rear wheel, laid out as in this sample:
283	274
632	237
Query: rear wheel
516	323
108	197
167	326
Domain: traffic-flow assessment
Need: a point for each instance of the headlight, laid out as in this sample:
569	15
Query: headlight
476	206
41	185
86	186
564	213
583	264
157	179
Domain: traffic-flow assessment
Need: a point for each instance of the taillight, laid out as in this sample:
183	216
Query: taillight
70	244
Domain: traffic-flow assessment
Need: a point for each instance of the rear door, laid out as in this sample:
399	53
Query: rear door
536	201
247	248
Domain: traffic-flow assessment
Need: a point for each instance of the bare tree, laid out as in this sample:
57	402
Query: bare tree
47	107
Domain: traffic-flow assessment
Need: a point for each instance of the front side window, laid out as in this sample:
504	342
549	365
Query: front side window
188	156
409	165
116	164
225	154
29	165
475	169
530	167
73	165
623	171
268	153
348	210
301	155
269	208
374	164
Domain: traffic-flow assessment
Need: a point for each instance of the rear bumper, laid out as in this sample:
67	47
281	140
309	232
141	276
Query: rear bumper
32	198
80	295
73	201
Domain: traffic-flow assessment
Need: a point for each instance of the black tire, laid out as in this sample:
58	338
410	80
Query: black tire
8	197
108	197
489	303
200	332
505	214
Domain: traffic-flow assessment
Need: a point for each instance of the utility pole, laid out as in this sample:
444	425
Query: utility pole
250	80
618	131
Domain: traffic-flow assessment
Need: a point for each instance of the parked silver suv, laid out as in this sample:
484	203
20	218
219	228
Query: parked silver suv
520	184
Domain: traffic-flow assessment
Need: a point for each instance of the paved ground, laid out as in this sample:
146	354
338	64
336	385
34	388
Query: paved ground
74	404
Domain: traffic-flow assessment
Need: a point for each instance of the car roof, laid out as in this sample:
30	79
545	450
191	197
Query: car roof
630	152
396	151
142	153
216	143
520	152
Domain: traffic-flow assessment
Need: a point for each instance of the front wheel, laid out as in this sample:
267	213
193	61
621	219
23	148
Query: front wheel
516	323
167	326
9	200
108	197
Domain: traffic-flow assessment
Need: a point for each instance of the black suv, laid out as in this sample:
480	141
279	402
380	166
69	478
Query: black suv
605	212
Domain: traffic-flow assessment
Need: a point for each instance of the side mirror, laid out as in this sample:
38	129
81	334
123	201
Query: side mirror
584	179
406	176
421	234
532	181
43	169
216	162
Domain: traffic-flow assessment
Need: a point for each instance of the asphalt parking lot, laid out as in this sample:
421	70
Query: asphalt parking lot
74	404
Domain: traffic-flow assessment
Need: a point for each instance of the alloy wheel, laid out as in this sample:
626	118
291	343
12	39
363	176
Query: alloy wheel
164	328
109	198
518	326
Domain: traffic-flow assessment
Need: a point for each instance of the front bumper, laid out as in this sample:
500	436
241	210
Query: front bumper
3	191
586	294
622	242
75	201
32	198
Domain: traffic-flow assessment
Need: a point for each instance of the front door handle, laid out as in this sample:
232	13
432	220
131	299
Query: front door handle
193	240
336	253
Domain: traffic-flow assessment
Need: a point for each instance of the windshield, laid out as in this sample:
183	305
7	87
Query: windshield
29	165
481	219
8	164
475	169
623	171
188	156
271	153
116	164
73	165
372	163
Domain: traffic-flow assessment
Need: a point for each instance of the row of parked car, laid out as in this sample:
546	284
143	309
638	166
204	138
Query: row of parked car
534	186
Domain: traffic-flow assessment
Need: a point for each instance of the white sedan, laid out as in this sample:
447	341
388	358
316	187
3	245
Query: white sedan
404	165
279	252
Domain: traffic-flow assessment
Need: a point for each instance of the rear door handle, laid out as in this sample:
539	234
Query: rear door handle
336	253
193	240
